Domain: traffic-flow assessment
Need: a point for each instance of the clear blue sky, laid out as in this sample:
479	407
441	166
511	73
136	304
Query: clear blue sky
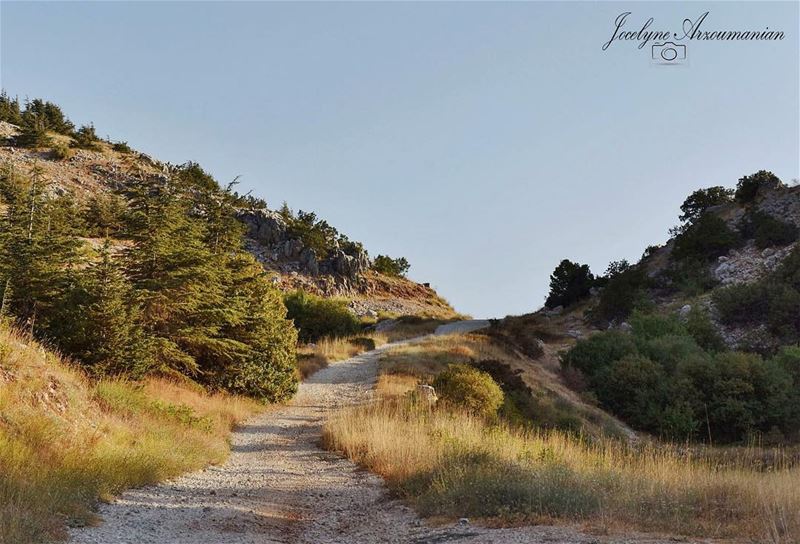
483	141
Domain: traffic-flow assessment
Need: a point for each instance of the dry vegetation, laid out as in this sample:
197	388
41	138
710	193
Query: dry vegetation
535	394
66	441
452	465
314	357
449	464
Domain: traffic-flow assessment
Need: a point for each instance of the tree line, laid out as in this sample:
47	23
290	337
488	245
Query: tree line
173	292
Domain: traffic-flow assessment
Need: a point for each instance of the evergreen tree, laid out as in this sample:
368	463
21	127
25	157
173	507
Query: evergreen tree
180	280
112	341
34	134
39	250
9	109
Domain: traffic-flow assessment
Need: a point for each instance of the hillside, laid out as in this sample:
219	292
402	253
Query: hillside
697	339
312	256
66	440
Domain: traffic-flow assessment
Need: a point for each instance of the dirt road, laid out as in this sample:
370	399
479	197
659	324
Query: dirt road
279	486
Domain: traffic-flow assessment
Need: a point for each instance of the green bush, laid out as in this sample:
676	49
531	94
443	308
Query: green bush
598	351
34	135
467	388
747	188
702	330
86	138
61	152
767	231
767	302
705	239
569	283
660	380
634	388
316	317
691	276
624	292
121	147
699	201
391	267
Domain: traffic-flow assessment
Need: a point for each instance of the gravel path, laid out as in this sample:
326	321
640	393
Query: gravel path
279	486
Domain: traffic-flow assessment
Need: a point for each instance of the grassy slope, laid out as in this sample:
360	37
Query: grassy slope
453	465
66	441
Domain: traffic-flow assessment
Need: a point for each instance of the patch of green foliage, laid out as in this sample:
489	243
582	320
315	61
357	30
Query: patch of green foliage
86	138
569	283
660	379
183	297
121	147
316	317
748	186
464	387
624	291
317	234
705	239
766	230
699	201
391	267
772	301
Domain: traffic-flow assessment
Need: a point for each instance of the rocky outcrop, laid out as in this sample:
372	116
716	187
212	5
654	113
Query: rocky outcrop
749	263
264	226
277	249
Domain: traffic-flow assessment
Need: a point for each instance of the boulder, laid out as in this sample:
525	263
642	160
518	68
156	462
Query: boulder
426	393
264	226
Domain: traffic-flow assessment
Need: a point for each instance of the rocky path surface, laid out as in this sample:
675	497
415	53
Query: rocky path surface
279	486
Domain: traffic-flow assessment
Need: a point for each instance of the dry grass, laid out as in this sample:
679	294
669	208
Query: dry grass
540	397
314	357
452	465
66	441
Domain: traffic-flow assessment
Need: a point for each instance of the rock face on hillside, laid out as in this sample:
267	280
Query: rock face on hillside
276	247
292	265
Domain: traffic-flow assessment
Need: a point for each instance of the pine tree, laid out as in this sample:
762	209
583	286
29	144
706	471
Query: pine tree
112	341
179	280
9	109
39	250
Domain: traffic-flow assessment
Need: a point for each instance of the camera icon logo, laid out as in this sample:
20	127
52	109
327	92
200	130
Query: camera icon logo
668	53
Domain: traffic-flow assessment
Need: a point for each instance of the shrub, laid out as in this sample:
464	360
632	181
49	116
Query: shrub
768	302
391	267
649	326
33	134
61	152
691	276
705	239
702	330
569	283
623	292
598	351
86	138
660	380
121	147
467	388
634	388
747	188
699	201
317	317
767	231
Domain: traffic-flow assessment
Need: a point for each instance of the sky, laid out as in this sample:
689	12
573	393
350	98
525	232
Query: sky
485	142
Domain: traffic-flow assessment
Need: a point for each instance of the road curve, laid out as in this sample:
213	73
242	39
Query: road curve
279	486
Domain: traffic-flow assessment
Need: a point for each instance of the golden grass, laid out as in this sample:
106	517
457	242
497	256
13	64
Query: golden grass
452	465
314	357
66	441
548	402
